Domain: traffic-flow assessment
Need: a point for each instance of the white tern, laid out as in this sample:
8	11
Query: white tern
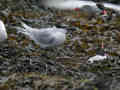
45	37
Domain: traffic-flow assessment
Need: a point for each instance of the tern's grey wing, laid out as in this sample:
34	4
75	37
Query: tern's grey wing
44	37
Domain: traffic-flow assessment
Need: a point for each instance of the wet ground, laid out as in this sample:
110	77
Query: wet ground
24	66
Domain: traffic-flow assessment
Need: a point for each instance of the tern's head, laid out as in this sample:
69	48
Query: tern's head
62	30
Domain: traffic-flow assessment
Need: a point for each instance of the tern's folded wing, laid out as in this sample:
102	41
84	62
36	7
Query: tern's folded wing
44	38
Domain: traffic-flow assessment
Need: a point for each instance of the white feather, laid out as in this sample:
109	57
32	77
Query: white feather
3	33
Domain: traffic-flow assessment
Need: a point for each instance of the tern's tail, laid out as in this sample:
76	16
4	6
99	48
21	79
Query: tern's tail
25	26
24	29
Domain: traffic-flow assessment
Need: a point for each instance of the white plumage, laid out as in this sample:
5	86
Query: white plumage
45	37
72	4
3	33
97	58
